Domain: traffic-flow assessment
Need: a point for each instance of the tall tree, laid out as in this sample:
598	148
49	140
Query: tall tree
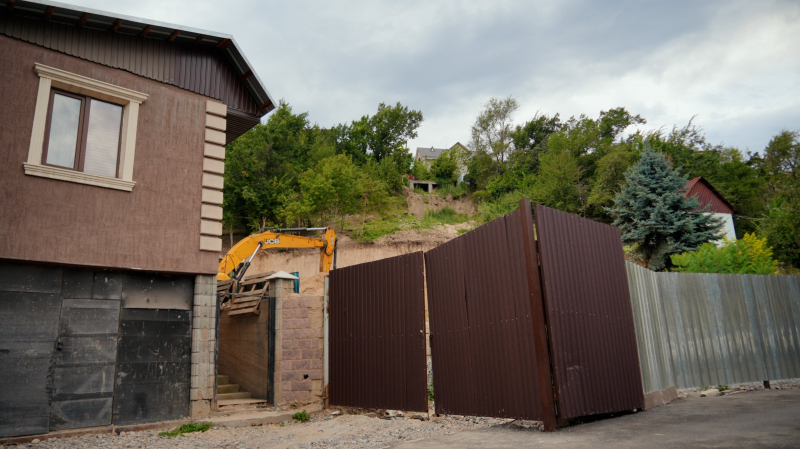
493	130
381	135
653	213
559	184
530	141
781	226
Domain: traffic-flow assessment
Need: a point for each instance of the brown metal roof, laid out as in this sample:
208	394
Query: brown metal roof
707	195
204	62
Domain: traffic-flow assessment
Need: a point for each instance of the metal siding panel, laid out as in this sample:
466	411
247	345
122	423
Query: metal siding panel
376	313
481	328
589	315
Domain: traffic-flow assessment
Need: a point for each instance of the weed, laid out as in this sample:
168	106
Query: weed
723	387
462	231
426	200
430	392
187	428
281	425
420	191
301	416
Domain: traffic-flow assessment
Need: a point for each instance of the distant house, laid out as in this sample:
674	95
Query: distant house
428	155
718	206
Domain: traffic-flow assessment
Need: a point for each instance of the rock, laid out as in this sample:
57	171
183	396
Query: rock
419	417
710	393
35	441
336	413
122	434
130	434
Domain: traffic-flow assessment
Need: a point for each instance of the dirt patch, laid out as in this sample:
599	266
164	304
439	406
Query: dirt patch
417	204
350	252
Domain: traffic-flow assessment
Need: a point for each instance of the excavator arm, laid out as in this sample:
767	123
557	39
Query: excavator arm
247	247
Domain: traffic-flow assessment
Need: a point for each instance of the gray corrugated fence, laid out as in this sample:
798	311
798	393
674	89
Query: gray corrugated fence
694	330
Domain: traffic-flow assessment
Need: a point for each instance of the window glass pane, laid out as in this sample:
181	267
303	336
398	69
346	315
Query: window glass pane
102	143
63	131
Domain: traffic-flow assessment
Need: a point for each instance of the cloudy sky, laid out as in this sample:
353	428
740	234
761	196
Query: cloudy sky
734	65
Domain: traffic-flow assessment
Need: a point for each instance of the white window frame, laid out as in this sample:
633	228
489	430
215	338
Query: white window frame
130	100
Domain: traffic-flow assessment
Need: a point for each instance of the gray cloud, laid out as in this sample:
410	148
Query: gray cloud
733	64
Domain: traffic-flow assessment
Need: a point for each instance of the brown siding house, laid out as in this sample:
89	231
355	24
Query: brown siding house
112	134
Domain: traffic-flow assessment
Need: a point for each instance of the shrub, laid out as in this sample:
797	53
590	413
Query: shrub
444	215
301	416
749	255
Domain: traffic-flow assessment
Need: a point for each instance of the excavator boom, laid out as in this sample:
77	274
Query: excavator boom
247	247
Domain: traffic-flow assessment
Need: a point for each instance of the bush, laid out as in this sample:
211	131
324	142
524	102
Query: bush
301	416
187	428
749	255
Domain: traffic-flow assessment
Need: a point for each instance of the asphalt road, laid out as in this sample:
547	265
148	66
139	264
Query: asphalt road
753	419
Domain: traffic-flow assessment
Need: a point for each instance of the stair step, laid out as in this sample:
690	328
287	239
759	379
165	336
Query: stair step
228	388
222	379
239	395
233	404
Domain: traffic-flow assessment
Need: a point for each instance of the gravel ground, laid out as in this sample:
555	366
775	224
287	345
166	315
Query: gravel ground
323	430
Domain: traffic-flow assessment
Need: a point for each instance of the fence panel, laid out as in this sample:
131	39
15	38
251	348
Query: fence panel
482	306
717	328
595	359
377	334
652	334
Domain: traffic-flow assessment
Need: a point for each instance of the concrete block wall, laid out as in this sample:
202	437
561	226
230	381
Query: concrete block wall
204	323
298	362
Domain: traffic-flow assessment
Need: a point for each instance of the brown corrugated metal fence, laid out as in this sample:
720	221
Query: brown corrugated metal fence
377	335
517	329
485	359
590	320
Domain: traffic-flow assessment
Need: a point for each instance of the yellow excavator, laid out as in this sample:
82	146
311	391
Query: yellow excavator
237	261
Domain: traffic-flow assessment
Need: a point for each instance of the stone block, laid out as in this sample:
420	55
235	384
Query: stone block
200	409
309	354
300	364
301	385
208	243
209	290
305	344
216	108
291	355
196	394
316	364
291	304
213	181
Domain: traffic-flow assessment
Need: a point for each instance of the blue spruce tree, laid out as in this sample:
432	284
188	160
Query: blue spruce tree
653	213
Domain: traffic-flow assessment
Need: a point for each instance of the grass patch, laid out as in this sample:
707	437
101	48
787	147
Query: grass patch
301	416
723	387
463	231
187	428
450	189
430	393
444	215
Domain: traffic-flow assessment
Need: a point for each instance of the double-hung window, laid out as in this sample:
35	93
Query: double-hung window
84	130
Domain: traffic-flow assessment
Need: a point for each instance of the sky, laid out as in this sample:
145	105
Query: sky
732	65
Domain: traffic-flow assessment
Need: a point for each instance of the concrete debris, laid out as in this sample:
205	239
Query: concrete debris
122	434
336	413
419	417
710	393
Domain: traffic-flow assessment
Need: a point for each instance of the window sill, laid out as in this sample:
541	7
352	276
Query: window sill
46	171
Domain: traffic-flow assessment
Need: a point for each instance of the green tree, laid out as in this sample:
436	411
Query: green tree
492	132
262	167
610	173
481	170
781	225
328	192
380	136
559	184
530	141
444	168
653	213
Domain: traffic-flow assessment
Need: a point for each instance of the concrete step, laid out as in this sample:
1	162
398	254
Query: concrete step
228	388
222	379
239	395
238	404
